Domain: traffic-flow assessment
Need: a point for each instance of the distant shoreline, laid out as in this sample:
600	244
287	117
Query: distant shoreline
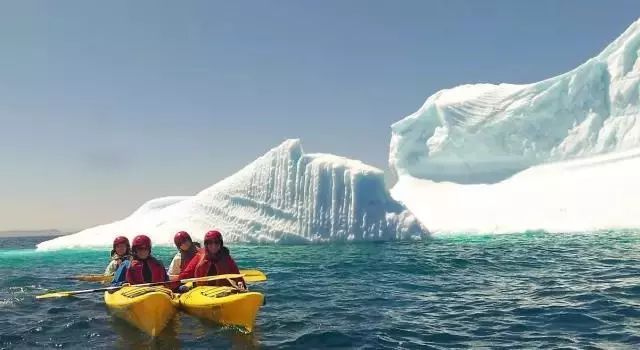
34	233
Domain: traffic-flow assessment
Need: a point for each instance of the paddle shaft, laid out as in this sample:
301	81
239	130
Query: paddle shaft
248	275
105	289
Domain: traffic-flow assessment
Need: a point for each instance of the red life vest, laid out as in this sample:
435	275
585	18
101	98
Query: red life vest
135	275
224	264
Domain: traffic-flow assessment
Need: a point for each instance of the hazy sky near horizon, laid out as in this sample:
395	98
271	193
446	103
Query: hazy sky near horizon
104	105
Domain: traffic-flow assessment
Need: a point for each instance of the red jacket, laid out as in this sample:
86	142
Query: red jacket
135	275
201	263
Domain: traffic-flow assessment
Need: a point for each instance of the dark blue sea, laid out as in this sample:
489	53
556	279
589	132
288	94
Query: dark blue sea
521	291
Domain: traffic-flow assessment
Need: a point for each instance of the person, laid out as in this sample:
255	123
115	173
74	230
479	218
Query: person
213	259
119	253
142	267
187	249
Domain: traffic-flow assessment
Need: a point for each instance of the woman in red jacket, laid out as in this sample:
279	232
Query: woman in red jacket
143	267
213	259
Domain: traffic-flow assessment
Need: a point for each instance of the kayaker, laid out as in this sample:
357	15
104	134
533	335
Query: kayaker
142	268
187	249
213	259
121	251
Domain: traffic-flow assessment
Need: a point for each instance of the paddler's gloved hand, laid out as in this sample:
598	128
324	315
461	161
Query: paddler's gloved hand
183	289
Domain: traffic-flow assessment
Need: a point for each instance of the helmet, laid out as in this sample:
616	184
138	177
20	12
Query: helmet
120	240
141	241
180	238
213	235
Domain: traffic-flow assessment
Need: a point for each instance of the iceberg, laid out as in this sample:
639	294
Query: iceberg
558	155
284	196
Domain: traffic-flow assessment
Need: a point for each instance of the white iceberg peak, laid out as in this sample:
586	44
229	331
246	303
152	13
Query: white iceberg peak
558	155
283	196
485	133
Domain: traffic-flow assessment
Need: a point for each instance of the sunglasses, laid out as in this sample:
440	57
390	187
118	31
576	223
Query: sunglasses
143	248
212	242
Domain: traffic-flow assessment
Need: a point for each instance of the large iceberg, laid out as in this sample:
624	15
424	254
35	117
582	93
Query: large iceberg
283	196
558	155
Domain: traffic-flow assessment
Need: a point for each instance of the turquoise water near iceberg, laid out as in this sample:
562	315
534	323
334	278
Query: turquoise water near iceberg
530	290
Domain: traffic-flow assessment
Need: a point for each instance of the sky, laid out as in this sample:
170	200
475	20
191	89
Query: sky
105	105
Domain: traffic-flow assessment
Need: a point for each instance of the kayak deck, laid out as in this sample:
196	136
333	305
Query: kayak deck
147	308
223	305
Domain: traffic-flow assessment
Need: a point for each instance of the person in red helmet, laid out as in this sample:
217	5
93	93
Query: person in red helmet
120	252
213	259
187	249
143	268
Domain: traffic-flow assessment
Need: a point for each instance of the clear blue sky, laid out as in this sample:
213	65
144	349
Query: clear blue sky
104	105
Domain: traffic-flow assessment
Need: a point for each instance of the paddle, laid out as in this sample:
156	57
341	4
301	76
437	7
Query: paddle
186	280
91	278
249	276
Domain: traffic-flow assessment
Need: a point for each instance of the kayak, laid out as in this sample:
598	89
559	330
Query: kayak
146	308
223	305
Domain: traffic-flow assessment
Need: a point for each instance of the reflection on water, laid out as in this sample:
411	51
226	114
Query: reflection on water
183	331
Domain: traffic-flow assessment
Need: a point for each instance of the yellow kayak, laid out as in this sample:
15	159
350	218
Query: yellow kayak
223	305
147	308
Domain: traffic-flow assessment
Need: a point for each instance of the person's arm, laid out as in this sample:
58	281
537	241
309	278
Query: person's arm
234	269
188	272
120	276
174	267
111	268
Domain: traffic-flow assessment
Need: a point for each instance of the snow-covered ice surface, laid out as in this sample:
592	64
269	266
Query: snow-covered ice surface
593	194
498	158
283	196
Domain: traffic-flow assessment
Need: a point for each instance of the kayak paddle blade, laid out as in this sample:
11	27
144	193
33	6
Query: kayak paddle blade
54	295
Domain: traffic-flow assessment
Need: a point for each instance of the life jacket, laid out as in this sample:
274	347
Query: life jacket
135	273
185	257
223	263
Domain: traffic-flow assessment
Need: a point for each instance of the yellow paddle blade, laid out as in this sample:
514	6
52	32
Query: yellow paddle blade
53	295
253	275
92	278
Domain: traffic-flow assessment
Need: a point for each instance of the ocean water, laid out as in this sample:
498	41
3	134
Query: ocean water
530	290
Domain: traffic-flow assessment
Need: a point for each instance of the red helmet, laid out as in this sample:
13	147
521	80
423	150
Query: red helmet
213	235
119	240
180	238
141	241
